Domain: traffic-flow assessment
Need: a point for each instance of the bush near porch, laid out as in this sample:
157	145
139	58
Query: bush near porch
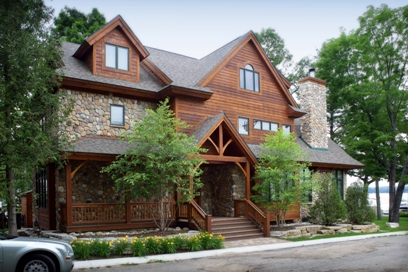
97	248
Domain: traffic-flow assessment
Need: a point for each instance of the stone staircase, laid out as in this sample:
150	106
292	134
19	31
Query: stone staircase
236	228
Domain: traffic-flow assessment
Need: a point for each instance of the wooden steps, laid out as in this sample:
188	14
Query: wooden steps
235	228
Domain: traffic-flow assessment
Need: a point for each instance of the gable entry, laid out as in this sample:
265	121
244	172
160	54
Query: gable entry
227	176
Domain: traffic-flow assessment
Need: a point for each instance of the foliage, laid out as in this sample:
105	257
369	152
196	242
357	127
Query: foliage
74	26
367	77
358	206
161	163
120	245
328	207
31	108
279	172
274	47
145	246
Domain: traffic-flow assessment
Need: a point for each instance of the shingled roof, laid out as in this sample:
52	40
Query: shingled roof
185	72
334	154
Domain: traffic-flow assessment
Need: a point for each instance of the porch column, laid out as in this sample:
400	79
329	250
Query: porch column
68	197
248	181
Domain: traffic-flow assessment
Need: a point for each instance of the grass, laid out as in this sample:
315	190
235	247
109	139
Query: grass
403	225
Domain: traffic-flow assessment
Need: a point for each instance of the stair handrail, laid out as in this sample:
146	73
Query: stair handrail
206	218
260	217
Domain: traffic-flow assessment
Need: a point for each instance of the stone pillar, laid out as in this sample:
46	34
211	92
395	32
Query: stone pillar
312	96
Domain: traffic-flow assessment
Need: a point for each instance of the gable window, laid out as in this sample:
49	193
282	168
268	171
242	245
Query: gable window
116	57
117	115
243	126
249	79
267	126
286	128
339	177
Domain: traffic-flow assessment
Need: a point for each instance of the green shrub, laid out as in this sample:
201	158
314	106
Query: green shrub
119	246
82	249
138	247
328	207
100	248
358	206
145	246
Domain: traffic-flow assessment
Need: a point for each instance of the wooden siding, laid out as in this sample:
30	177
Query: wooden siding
270	104
117	37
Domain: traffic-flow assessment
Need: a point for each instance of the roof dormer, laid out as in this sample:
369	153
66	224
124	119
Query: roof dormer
113	51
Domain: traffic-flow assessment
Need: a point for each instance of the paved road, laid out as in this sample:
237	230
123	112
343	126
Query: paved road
374	254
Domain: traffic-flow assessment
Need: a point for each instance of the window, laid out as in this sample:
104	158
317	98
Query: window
306	176
116	57
117	115
286	128
41	188
339	177
249	79
267	126
243	126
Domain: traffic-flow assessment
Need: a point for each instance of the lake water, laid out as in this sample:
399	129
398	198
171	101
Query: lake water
384	200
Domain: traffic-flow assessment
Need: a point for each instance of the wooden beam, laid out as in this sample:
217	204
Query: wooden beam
220	140
217	158
92	157
76	169
248	181
68	197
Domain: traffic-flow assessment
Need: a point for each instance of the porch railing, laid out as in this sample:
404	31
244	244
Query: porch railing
194	214
261	218
110	213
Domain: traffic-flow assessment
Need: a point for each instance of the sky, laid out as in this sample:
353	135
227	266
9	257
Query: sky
196	28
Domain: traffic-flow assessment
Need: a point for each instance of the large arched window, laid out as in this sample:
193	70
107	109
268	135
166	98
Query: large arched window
249	79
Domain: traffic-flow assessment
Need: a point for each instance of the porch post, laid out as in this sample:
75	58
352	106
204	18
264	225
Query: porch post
267	224
248	180
128	214
68	197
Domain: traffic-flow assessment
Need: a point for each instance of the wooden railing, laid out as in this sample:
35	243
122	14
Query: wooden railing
202	219
108	213
261	218
98	213
194	214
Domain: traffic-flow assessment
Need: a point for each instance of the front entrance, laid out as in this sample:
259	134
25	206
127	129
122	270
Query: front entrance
223	183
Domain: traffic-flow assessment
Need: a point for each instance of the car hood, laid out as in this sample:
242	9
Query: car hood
40	240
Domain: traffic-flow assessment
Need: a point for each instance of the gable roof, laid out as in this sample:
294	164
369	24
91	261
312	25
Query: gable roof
112	24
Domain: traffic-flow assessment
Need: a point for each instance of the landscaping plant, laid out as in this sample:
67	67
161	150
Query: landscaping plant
358	206
328	207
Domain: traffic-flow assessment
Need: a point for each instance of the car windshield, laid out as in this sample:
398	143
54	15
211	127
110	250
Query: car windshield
4	236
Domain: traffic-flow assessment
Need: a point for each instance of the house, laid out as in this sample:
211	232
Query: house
231	97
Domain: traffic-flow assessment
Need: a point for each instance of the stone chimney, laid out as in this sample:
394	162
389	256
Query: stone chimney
312	96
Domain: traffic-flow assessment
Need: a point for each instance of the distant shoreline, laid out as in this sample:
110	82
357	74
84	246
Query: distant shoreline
384	189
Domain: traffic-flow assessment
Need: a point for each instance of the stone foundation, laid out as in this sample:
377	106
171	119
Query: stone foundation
222	185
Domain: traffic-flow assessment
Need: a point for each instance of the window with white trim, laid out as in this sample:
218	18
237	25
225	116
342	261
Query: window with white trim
249	79
338	175
287	128
117	115
116	57
243	126
265	125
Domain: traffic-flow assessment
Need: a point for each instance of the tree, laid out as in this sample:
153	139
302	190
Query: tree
373	91
30	106
161	165
278	173
358	206
327	207
274	47
75	26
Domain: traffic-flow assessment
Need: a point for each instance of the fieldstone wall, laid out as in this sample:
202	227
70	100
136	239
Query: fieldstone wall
91	114
222	185
312	96
89	185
